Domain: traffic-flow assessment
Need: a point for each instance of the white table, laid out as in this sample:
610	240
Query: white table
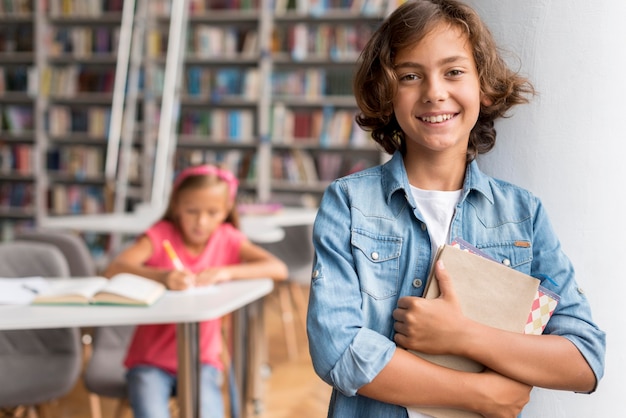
184	309
259	228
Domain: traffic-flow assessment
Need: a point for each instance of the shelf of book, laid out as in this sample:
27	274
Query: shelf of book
220	107
17	112
266	91
76	82
314	48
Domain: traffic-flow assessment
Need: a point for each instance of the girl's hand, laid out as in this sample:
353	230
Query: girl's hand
179	280
212	276
431	325
503	397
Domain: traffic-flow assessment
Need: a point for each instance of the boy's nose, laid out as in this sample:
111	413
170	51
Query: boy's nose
433	91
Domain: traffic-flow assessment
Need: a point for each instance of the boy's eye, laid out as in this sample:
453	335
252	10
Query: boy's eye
455	73
408	77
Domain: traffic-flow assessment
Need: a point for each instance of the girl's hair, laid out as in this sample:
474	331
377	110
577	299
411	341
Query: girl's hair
198	177
375	82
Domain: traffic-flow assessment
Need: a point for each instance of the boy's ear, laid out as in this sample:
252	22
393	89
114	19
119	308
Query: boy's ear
485	100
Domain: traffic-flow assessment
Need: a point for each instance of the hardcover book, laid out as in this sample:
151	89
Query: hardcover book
121	289
490	293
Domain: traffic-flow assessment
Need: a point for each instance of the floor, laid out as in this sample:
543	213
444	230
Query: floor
291	390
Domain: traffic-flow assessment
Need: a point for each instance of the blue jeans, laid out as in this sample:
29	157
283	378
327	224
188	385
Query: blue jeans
150	389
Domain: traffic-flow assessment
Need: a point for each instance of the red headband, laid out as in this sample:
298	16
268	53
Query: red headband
210	170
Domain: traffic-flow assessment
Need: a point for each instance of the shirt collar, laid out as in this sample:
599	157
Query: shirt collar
394	178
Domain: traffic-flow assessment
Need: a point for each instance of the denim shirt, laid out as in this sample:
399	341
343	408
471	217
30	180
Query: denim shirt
372	247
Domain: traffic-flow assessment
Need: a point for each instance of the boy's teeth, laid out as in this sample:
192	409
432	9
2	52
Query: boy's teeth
436	119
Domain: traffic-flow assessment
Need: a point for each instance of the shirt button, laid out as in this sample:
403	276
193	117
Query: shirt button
315	274
423	226
417	283
374	255
506	262
580	290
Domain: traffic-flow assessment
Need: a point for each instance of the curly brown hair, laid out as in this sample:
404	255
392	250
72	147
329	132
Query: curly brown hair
375	81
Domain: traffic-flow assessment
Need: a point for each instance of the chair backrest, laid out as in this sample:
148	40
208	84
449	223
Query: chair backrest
296	250
72	246
36	366
105	372
23	259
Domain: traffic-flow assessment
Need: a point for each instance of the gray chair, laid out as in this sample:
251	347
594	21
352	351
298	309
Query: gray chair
104	374
105	371
72	246
36	366
296	250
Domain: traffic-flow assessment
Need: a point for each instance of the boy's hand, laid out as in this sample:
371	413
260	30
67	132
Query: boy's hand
179	280
430	325
499	396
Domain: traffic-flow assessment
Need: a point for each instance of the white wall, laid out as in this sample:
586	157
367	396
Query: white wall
568	147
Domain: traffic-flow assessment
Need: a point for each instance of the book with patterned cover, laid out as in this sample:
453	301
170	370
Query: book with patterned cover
545	300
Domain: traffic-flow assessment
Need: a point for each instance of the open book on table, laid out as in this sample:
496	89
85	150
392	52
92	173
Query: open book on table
490	293
121	289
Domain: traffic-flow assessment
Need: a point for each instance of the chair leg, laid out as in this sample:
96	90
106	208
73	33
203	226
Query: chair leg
95	406
173	405
288	322
18	412
300	302
122	404
45	410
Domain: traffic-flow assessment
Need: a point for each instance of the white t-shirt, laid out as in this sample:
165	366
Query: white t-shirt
437	207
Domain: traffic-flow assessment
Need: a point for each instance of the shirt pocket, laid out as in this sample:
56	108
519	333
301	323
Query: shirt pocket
377	262
515	254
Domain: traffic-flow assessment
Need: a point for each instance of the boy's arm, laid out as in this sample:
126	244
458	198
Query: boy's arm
438	326
412	381
548	361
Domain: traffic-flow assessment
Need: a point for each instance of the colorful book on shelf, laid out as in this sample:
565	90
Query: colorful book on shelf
490	293
121	289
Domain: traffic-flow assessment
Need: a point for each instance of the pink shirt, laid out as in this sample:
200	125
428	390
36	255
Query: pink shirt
155	345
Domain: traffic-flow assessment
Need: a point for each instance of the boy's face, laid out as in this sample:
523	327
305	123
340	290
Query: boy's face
199	211
438	98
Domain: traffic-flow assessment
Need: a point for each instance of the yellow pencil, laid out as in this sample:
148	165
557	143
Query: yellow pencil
173	256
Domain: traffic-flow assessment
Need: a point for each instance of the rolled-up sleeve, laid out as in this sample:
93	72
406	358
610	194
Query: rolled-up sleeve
345	353
572	318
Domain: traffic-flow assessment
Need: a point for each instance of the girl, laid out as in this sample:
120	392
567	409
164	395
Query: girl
430	85
201	223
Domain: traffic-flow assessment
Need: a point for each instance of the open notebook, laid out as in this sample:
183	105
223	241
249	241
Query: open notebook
121	289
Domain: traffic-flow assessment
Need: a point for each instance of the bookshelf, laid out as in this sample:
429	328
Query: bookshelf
17	116
76	72
313	49
220	98
265	91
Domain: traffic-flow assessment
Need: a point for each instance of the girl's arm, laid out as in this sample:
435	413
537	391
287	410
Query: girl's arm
255	262
438	326
131	260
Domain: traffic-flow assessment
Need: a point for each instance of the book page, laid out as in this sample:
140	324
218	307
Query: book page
130	288
20	290
74	290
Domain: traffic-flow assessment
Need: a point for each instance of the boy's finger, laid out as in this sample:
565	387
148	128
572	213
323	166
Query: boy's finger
445	284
